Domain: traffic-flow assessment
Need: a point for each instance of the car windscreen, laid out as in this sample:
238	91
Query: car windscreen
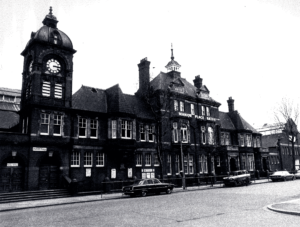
138	182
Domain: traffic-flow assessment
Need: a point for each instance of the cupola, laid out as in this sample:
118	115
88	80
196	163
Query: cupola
172	65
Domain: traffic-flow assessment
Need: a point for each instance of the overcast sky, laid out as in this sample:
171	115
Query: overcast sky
247	49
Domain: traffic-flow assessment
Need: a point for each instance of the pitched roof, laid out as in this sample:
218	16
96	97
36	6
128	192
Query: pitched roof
163	80
8	119
117	101
10	91
225	121
9	106
240	123
91	99
140	108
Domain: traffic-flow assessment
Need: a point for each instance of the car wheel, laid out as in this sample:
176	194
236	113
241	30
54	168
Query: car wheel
144	193
293	178
169	191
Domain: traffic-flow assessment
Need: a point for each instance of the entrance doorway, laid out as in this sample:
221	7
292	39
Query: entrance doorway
49	173
265	165
12	175
233	166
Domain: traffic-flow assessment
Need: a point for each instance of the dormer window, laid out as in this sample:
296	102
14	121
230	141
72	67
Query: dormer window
55	39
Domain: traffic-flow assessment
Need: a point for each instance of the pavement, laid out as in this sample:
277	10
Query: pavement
288	207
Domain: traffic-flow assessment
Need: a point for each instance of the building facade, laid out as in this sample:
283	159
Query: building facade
279	144
94	135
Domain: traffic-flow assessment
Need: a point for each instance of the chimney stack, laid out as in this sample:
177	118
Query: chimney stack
230	102
144	75
198	82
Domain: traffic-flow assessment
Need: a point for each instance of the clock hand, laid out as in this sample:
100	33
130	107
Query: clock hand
56	66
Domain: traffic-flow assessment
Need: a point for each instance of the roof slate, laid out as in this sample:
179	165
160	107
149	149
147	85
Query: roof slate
117	101
225	121
164	80
90	99
9	119
9	106
240	123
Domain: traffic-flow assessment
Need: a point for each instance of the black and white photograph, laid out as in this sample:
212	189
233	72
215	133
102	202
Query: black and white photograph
149	113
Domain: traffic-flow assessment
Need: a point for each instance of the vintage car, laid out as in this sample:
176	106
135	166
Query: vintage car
282	175
239	177
297	174
147	186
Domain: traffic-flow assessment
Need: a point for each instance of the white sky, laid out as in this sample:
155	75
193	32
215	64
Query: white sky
247	49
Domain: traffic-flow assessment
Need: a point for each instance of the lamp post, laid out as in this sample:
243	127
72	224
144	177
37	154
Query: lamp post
181	154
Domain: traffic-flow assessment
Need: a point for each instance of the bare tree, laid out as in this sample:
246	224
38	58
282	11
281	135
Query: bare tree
286	116
159	102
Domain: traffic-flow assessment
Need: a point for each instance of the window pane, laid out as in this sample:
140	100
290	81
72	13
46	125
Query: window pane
82	127
100	159
88	159
93	128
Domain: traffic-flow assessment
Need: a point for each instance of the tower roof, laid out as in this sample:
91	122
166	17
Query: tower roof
172	65
49	33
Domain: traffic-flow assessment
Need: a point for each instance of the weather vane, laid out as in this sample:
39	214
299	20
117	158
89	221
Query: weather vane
50	10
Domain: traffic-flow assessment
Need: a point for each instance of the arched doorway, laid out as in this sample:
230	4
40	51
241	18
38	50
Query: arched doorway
264	163
12	174
49	173
233	164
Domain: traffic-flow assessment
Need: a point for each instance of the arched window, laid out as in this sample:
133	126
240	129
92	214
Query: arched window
210	135
55	38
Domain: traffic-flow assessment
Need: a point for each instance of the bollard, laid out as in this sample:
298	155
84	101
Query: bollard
107	185
258	177
74	187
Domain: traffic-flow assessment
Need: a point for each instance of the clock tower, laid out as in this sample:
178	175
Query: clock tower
47	73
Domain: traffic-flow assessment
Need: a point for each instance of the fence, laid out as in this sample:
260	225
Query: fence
116	186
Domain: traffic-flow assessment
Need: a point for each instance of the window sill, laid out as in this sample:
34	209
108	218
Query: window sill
125	138
88	166
148	165
94	138
99	165
56	134
44	134
83	137
138	165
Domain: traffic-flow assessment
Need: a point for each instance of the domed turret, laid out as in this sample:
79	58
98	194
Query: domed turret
173	65
49	34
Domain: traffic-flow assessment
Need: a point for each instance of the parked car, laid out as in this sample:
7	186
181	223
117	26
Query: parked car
147	186
297	174
239	177
282	175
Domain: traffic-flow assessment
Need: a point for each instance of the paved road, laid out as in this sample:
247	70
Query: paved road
240	206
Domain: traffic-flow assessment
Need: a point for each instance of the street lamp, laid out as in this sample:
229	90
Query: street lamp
181	154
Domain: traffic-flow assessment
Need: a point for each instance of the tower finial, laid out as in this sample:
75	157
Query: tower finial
50	10
172	57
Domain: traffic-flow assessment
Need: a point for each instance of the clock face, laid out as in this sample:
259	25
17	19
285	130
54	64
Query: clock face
53	66
30	66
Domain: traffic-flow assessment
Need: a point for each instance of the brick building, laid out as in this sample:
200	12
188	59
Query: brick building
95	134
275	138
